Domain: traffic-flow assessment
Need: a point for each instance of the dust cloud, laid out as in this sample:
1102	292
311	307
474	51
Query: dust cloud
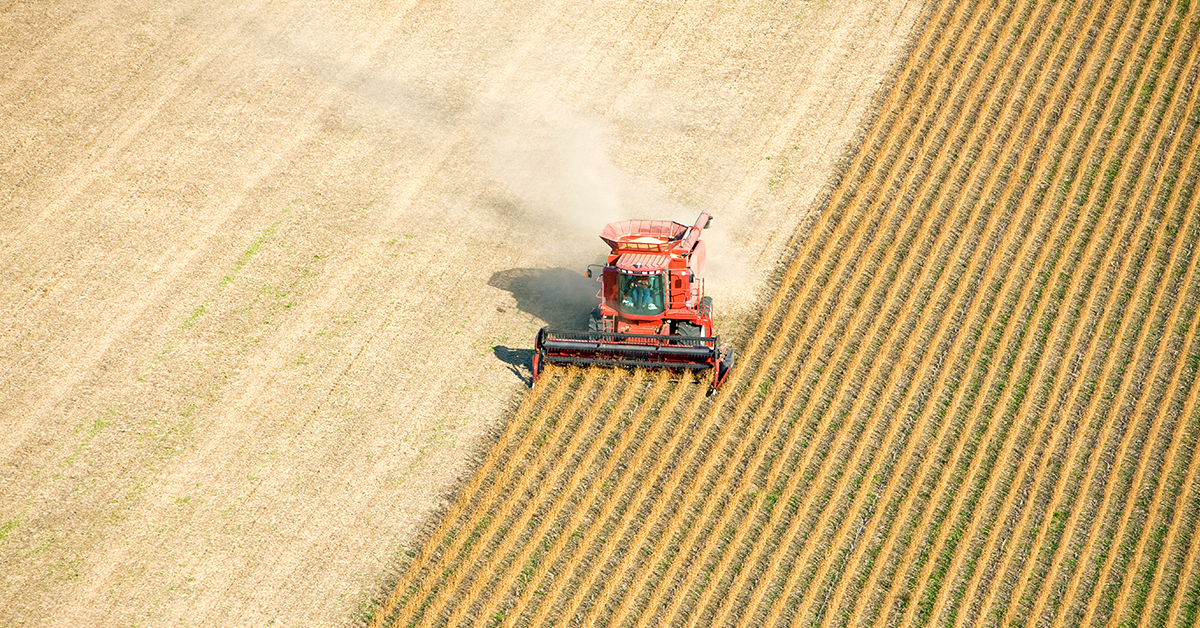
545	167
554	166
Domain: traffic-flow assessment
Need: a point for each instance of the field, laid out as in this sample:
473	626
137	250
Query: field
971	399
270	272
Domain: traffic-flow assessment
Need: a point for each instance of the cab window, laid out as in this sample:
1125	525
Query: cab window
641	295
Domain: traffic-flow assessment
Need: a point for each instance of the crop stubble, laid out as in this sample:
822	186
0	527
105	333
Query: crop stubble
971	400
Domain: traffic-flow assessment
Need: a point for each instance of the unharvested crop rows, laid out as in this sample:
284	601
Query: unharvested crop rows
972	399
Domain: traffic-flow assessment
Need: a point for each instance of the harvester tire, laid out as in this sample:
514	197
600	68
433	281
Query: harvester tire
596	321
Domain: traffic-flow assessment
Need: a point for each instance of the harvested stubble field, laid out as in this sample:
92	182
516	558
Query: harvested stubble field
972	399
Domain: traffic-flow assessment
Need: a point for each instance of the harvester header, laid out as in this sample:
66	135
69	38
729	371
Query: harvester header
653	311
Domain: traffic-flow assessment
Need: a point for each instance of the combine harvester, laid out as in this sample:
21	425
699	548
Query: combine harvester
653	312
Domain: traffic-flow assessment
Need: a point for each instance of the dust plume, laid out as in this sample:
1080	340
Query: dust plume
543	164
555	166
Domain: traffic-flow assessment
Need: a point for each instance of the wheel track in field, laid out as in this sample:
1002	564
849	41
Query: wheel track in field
907	438
113	141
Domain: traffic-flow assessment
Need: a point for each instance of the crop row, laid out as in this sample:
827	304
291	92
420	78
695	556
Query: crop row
972	399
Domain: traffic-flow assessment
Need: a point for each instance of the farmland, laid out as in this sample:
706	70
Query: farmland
971	398
270	271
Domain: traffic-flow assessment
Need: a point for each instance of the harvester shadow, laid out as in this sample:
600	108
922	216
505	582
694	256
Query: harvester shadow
560	297
519	361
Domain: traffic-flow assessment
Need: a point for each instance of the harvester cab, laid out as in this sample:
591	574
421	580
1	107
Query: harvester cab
653	312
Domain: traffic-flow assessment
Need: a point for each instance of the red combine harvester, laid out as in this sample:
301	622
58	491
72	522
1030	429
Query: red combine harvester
653	312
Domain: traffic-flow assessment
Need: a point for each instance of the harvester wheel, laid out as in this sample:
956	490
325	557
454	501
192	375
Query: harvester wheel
596	321
688	330
706	315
